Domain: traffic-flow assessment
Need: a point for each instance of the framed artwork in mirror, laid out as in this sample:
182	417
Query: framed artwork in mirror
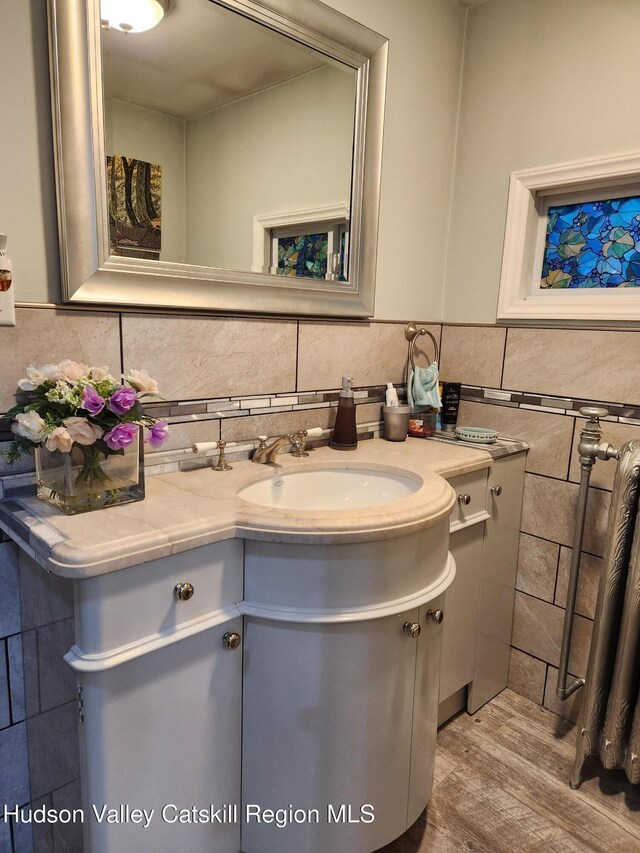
572	243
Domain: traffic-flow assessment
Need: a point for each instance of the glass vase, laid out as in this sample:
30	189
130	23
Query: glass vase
85	479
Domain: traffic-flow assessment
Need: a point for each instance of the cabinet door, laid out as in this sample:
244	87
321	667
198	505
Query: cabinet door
163	730
327	715
497	590
425	709
461	608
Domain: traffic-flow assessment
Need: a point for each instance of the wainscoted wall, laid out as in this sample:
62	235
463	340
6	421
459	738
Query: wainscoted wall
549	374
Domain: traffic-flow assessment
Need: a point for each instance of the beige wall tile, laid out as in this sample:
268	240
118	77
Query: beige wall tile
570	708
537	630
548	436
369	413
372	353
537	566
184	435
588	580
548	511
527	676
200	357
472	355
574	363
247	428
47	335
602	473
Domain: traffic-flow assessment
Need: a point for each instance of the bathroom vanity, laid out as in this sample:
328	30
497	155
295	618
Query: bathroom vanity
257	652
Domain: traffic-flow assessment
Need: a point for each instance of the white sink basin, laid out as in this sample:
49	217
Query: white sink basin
330	489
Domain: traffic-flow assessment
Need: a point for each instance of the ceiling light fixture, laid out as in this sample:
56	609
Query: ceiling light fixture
132	16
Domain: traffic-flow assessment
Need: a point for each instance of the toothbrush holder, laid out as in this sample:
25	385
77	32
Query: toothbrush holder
396	422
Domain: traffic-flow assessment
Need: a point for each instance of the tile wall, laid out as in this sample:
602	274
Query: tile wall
529	384
237	378
221	378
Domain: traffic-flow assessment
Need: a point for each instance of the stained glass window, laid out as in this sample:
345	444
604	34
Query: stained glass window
303	255
593	244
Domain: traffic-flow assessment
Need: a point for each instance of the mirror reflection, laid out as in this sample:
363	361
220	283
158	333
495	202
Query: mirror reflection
229	145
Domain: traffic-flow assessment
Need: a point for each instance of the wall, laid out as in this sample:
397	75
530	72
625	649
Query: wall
157	138
545	376
540	86
544	82
283	149
426	49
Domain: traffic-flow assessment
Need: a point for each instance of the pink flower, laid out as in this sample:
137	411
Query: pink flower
158	433
59	439
120	436
122	400
83	431
92	402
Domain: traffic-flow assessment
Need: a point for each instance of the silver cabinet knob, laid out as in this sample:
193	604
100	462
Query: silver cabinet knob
436	616
496	490
231	640
464	499
183	591
412	629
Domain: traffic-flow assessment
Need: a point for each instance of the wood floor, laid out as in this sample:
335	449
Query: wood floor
501	785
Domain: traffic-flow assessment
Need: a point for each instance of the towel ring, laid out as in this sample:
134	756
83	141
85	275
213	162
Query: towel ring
412	333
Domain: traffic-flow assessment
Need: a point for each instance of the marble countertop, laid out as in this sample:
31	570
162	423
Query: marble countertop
190	509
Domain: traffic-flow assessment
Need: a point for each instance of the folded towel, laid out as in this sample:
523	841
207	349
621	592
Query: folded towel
422	388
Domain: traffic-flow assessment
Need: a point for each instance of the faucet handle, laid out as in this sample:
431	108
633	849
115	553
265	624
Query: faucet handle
298	445
222	464
262	439
594	412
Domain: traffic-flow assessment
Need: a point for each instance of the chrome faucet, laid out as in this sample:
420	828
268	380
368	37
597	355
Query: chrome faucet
268	452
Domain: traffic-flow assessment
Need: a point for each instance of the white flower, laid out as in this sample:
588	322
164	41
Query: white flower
29	425
99	374
59	439
73	370
83	431
63	392
141	381
37	375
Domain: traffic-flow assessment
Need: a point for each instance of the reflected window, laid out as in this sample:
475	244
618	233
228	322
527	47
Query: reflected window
315	250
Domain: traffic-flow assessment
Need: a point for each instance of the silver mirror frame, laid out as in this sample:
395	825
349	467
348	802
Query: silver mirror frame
90	275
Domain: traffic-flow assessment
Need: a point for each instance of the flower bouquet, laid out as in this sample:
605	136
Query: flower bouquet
84	427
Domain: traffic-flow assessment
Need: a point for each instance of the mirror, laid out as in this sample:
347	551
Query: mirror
228	158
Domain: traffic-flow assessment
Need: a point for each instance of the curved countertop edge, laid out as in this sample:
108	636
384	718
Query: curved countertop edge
205	509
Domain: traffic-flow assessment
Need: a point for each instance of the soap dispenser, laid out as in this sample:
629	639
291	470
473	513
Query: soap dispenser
345	434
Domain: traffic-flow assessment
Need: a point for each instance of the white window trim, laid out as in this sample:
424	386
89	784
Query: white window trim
530	193
262	226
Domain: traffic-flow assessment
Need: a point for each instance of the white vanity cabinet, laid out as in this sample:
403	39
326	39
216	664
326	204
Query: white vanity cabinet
479	604
161	698
340	689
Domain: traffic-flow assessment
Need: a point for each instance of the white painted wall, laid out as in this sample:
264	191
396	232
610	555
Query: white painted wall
157	138
27	188
284	149
426	45
544	82
425	52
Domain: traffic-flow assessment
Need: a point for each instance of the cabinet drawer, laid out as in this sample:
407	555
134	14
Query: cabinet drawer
122	607
473	485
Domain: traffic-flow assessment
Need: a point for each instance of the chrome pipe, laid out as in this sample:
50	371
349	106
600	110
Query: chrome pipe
590	449
563	691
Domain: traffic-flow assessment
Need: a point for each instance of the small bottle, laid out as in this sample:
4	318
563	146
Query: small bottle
345	434
5	266
391	395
